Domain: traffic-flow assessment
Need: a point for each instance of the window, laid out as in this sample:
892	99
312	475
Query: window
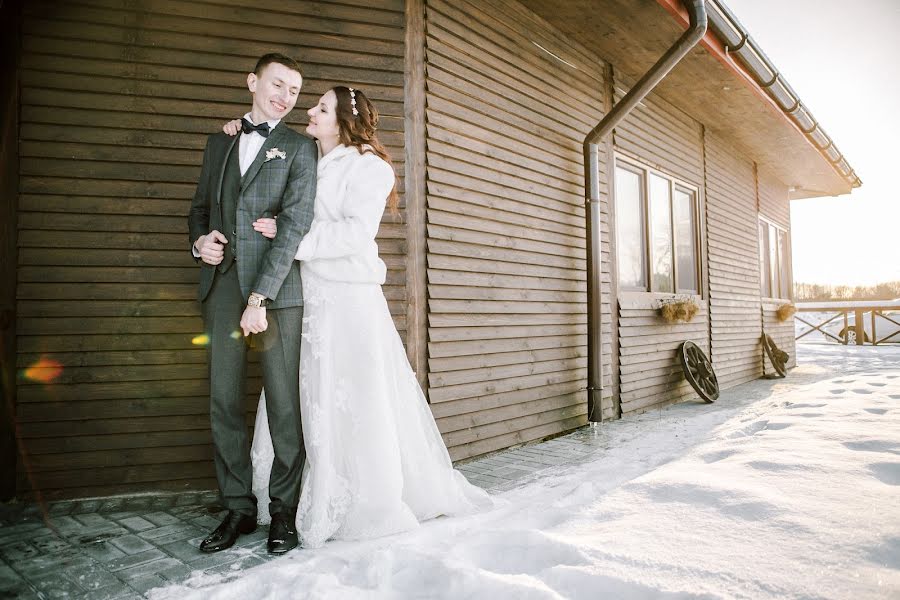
630	229
774	261
656	231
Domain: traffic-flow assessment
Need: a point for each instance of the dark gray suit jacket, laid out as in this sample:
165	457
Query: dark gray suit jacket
272	186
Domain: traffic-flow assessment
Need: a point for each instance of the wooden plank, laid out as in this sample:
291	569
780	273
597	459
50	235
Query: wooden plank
473	361
461	278
495	104
481	348
188	16
521	436
468	258
449	185
654	348
487	45
507	398
691	329
512	423
116	476
451	213
669	389
655	340
96	491
498	180
505	307
120	458
571	256
657	401
462	428
521	133
471	390
492	373
109	358
462	292
458	334
170	388
126	373
493	320
471	140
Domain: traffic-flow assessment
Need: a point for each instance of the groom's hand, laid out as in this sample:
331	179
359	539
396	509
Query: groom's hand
211	247
254	320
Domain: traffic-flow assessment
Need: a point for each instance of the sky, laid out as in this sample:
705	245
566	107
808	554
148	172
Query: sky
780	489
841	59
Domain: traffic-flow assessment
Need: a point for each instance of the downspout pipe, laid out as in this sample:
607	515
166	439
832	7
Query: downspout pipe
695	32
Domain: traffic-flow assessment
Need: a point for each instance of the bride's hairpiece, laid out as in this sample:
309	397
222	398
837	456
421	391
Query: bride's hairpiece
353	102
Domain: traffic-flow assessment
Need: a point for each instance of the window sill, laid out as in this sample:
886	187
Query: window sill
774	301
650	300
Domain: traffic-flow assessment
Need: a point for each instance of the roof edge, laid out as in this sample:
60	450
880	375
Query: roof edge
727	37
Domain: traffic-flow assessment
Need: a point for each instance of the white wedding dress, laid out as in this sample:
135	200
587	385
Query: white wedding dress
376	463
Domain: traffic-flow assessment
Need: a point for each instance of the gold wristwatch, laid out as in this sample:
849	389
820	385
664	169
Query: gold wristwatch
257	301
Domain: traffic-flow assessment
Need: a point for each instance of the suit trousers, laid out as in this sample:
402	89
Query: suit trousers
279	352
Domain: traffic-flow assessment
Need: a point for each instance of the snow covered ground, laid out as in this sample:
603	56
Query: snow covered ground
781	489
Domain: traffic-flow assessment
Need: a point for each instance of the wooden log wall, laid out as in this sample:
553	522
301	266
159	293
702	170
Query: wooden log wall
733	247
775	205
660	136
117	97
506	242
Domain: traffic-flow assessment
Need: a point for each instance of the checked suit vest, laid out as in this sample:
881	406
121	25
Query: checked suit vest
231	191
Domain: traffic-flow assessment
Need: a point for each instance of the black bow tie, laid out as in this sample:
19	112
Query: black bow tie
248	127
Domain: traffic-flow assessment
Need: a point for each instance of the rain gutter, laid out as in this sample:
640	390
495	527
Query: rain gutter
695	32
738	43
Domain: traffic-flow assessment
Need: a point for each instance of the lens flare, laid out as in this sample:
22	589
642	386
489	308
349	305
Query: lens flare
200	340
43	371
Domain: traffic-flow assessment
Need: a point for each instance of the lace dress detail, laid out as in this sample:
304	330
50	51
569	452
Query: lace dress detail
376	463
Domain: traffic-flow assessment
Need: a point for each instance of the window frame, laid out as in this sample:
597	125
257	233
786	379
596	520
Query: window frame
644	171
780	274
645	244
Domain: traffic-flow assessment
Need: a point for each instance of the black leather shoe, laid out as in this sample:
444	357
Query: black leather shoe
227	533
283	532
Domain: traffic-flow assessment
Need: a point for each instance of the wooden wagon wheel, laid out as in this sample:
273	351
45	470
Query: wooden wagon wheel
777	357
698	371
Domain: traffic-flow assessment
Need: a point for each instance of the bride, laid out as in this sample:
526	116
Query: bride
376	463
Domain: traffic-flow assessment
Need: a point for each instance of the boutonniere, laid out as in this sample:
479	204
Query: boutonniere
273	153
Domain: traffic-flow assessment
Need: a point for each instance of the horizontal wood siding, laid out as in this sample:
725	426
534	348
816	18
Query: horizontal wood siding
733	246
663	137
774	201
650	372
117	98
506	244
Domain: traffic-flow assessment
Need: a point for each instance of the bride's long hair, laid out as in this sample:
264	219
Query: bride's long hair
359	131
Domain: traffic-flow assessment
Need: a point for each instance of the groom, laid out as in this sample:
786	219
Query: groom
251	285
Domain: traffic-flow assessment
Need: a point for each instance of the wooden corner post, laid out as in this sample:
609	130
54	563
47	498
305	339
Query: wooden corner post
414	114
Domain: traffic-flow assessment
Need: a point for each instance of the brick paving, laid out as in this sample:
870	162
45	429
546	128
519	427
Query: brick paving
122	547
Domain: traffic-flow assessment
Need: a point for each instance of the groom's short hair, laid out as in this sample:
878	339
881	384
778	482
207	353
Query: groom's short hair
274	57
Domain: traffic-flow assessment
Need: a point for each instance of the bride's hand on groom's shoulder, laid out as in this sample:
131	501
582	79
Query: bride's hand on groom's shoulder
232	127
266	226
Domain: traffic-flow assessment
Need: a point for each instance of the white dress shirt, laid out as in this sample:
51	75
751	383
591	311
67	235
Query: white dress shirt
251	143
351	193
